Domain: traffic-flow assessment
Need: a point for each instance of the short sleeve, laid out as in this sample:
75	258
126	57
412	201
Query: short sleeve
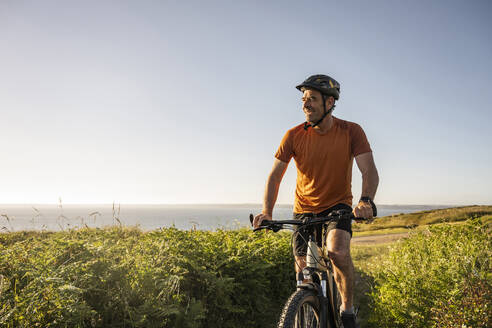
285	151
358	140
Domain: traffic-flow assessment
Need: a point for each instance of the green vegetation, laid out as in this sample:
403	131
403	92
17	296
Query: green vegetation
122	277
412	220
365	258
388	231
438	278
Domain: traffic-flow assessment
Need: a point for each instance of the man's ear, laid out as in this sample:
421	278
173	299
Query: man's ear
330	101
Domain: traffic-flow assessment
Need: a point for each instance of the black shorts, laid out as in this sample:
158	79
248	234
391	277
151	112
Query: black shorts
302	235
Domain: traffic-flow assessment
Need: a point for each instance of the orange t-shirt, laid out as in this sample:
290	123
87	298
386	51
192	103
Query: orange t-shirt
324	163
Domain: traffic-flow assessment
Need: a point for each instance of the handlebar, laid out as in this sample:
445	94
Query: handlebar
276	225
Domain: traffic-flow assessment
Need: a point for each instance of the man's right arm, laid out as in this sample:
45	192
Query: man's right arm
271	191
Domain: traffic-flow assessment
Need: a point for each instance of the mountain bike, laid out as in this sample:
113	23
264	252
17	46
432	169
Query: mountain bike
314	304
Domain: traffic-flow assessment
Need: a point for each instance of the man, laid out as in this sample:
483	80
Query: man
323	149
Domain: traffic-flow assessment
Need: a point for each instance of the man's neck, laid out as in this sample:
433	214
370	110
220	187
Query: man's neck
325	125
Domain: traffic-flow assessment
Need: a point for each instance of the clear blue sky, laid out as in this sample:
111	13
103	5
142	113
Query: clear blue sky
187	101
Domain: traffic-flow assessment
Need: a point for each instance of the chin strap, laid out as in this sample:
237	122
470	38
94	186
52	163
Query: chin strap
326	112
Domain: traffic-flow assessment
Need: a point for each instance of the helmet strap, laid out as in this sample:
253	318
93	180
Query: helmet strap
326	112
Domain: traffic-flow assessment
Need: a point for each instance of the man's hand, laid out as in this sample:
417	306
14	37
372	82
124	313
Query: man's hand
259	218
363	210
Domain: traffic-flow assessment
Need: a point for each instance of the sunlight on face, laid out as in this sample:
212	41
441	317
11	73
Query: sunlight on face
312	105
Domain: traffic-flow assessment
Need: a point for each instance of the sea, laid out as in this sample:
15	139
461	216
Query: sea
56	217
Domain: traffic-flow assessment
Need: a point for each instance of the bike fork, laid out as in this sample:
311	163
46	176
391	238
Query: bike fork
299	278
324	301
324	278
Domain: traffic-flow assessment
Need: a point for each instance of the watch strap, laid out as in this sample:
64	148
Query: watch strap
367	199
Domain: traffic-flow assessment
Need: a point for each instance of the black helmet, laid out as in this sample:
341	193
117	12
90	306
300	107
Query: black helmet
322	83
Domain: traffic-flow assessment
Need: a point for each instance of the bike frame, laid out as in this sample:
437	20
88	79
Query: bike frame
320	269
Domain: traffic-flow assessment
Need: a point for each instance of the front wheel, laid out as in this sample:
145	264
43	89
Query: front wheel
302	310
337	301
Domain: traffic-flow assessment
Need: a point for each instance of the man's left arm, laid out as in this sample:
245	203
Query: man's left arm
370	181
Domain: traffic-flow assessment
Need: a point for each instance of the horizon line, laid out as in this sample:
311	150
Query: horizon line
221	204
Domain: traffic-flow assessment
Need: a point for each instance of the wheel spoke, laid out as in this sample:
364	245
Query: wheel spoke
306	317
301	311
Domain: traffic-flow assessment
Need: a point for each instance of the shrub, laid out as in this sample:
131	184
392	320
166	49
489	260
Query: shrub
438	278
123	277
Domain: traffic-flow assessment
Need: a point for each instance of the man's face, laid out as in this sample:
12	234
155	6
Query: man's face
312	105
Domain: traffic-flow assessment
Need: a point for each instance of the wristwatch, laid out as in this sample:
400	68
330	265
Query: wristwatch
367	199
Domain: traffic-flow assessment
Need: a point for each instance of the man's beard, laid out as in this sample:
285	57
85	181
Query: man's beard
312	118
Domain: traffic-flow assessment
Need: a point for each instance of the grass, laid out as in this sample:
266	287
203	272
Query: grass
390	231
400	223
383	231
364	258
371	260
101	277
440	278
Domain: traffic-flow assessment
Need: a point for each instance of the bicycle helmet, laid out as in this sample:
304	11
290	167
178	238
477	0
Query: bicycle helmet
322	83
326	86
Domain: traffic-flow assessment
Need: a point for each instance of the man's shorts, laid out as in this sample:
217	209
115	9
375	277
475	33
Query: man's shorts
302	235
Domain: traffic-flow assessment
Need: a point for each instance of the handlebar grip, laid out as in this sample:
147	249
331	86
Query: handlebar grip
263	224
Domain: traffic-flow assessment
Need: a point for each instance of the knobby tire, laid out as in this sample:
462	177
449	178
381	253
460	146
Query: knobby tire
337	300
302	301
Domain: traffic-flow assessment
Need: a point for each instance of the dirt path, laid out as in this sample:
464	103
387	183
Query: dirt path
378	239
